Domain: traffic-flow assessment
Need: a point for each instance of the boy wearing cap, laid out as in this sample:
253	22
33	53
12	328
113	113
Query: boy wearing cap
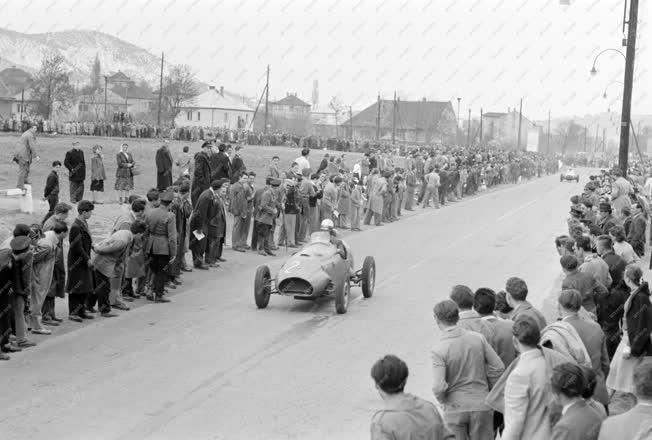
76	165
80	275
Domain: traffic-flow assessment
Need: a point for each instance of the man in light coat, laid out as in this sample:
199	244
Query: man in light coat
108	261
25	155
162	244
465	367
238	208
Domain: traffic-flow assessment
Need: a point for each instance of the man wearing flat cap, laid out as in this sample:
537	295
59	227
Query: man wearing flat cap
266	215
162	244
80	273
217	224
606	219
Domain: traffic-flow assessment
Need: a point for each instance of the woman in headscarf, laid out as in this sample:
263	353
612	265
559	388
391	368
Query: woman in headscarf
98	175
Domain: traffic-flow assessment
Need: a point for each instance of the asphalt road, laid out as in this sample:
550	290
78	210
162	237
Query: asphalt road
212	366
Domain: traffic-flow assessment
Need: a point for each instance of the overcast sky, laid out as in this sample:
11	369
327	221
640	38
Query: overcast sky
488	52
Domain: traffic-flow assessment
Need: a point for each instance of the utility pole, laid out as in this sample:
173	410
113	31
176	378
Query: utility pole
548	141
468	131
625	121
595	144
481	116
351	120
604	140
266	100
160	94
394	120
378	121
22	106
520	119
106	81
585	138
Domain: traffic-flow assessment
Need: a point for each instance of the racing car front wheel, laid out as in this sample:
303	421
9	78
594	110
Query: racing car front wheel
368	277
342	297
262	287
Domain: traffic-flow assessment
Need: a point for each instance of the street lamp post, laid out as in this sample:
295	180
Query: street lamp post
625	117
593	69
604	95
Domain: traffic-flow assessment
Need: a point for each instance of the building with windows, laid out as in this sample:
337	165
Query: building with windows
288	115
216	109
502	128
411	121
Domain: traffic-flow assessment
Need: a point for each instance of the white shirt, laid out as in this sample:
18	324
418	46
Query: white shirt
303	163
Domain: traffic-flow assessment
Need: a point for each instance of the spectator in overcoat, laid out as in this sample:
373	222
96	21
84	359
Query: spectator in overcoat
163	168
80	273
76	165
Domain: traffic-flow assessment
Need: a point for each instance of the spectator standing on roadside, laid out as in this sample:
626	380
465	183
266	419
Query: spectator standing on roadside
303	161
25	155
75	163
184	163
403	415
163	167
51	191
98	174
465	368
124	174
201	180
80	275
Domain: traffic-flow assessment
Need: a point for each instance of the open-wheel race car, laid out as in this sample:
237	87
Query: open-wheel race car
321	268
569	175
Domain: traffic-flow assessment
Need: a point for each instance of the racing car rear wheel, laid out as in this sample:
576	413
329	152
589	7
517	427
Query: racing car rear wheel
368	277
262	287
342	297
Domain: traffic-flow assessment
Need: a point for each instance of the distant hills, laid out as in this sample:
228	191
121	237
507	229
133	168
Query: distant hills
79	49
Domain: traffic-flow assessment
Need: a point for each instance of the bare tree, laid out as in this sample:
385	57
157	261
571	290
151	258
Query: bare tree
52	88
96	74
338	107
180	88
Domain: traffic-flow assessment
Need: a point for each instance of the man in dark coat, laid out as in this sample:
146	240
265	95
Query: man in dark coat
220	164
204	210
217	225
443	186
76	165
266	215
606	219
163	168
636	235
202	173
80	271
237	165
51	191
239	209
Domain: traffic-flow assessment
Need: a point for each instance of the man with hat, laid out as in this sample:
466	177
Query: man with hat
162	245
576	215
238	208
201	180
76	165
80	274
163	167
606	220
266	215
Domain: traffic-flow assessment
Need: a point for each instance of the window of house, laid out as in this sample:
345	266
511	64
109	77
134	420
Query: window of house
22	108
189	115
199	116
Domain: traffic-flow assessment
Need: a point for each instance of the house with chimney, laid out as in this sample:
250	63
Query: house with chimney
216	108
410	121
16	95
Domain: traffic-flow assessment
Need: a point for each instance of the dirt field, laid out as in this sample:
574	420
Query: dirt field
51	148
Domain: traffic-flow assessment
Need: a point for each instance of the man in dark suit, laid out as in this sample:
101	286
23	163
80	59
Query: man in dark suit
578	420
220	164
636	235
51	191
76	165
593	338
162	245
237	165
516	298
590	289
80	268
163	168
201	180
205	210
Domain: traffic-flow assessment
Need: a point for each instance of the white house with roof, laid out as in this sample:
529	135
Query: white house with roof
215	109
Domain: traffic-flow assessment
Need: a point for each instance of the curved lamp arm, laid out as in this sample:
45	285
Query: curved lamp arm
593	69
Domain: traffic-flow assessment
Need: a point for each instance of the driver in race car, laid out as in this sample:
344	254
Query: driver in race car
327	229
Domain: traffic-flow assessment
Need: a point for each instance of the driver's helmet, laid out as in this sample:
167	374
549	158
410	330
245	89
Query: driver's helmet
327	225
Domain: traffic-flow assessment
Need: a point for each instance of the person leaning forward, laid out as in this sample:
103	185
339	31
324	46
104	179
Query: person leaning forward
162	245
